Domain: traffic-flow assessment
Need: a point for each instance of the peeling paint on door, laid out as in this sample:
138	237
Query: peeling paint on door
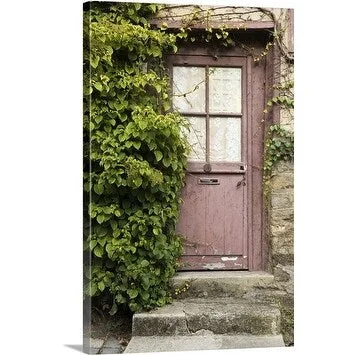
226	258
214	266
214	262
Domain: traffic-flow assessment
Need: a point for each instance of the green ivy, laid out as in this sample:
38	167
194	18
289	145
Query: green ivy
134	158
279	146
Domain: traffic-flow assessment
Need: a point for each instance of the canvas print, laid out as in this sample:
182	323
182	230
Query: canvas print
188	177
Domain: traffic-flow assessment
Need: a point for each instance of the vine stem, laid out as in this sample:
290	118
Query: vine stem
276	33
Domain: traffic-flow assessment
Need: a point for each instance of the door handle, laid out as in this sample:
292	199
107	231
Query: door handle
241	182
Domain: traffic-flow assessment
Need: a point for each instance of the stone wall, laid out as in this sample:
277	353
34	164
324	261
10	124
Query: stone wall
281	206
281	241
209	15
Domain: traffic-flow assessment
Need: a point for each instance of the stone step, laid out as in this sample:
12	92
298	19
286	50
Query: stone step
219	283
220	316
203	341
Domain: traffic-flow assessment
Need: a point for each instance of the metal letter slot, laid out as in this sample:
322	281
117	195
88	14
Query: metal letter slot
208	181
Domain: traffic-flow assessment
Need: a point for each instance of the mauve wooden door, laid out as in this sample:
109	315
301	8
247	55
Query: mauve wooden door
211	94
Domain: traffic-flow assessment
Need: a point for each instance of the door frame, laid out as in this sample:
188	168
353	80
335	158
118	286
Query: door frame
255	84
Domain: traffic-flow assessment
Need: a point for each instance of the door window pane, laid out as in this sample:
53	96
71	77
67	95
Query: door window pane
197	138
225	135
225	90
189	89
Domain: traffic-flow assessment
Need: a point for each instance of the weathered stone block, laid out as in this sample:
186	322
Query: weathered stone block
281	245
284	250
169	323
282	181
281	274
283	199
281	215
282	230
282	258
235	324
221	284
219	315
283	166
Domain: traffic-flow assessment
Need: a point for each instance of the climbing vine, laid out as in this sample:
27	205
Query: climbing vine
134	158
279	146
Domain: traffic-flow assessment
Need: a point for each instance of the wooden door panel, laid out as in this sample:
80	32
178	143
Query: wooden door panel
215	226
212	222
193	217
224	207
236	209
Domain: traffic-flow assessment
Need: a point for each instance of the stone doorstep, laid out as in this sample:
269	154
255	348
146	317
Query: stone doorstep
220	283
208	318
220	316
204	341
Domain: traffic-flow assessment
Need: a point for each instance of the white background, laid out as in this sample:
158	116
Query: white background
41	163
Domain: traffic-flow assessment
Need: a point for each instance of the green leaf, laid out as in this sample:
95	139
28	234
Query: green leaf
153	7
98	119
138	181
145	296
102	242
158	155
113	309
113	224
94	61
92	244
101	285
142	124
99	251
137	145
98	86
100	218
93	289
107	209
99	189
156	51
132	293
144	263
166	162
156	231
120	299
